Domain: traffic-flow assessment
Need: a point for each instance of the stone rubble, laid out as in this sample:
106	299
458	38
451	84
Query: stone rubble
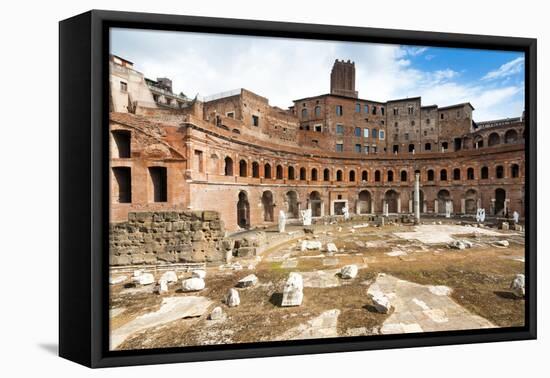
144	279
116	280
248	281
216	314
169	276
308	245
331	248
199	273
502	243
349	271
193	284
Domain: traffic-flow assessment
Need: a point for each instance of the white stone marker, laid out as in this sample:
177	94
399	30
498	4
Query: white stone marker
331	248
282	221
515	215
306	217
233	299
163	286
216	314
345	211
293	292
518	285
448	209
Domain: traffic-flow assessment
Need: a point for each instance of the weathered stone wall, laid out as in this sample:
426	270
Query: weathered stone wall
167	237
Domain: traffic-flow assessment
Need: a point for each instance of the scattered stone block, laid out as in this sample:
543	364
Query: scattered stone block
505	226
380	301
518	227
311	245
331	247
457	244
144	279
138	273
502	243
518	286
169	276
232	299
193	284
199	273
349	271
163	286
216	314
116	280
248	281
293	292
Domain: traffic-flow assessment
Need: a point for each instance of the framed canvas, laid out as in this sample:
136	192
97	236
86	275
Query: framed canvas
236	188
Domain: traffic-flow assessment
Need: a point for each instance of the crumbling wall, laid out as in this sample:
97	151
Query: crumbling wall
167	237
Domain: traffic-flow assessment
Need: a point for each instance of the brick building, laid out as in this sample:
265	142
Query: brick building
236	154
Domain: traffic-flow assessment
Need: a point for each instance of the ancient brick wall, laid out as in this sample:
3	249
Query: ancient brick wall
167	237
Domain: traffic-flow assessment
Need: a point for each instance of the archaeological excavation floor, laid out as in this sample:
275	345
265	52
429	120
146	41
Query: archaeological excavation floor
431	288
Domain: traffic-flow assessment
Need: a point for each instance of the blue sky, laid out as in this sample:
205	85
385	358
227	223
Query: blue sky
287	69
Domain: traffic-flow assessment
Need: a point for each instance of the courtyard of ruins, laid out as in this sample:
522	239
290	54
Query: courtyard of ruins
443	274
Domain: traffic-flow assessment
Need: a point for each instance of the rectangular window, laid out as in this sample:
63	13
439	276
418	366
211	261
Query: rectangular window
382	111
427	121
122	146
198	161
339	129
231	115
366	133
374	149
159	184
357	131
411	110
318	128
406	136
374	110
366	149
442	116
339	147
395	111
123	86
366	109
374	133
357	108
123	184
358	148
255	120
381	134
339	110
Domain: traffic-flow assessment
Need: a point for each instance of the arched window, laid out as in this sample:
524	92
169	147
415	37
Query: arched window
317	111
228	169
326	174
515	170
267	171
390	176
291	173
403	176
499	171
302	174
511	136
304	113
279	172
377	176
443	175
431	174
352	176
255	169
314	174
470	173
456	174
411	147
484	173
494	139
365	176
445	146
338	175
428	147
243	168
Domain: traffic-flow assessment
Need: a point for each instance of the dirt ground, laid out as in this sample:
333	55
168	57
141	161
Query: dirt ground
479	278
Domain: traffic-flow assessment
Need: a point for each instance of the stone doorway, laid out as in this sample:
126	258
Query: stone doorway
267	202
364	202
292	204
316	204
391	198
500	198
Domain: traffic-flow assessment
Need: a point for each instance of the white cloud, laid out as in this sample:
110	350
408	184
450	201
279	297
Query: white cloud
283	70
512	67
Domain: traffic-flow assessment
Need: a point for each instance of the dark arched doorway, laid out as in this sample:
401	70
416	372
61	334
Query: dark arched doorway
364	202
243	211
292	204
443	196
267	203
316	204
500	199
470	201
391	198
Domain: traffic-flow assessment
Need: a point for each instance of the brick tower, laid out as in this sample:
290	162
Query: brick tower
342	79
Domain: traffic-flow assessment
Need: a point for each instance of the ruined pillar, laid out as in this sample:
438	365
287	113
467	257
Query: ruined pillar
417	198
463	205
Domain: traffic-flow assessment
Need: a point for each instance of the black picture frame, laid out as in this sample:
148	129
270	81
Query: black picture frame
83	180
